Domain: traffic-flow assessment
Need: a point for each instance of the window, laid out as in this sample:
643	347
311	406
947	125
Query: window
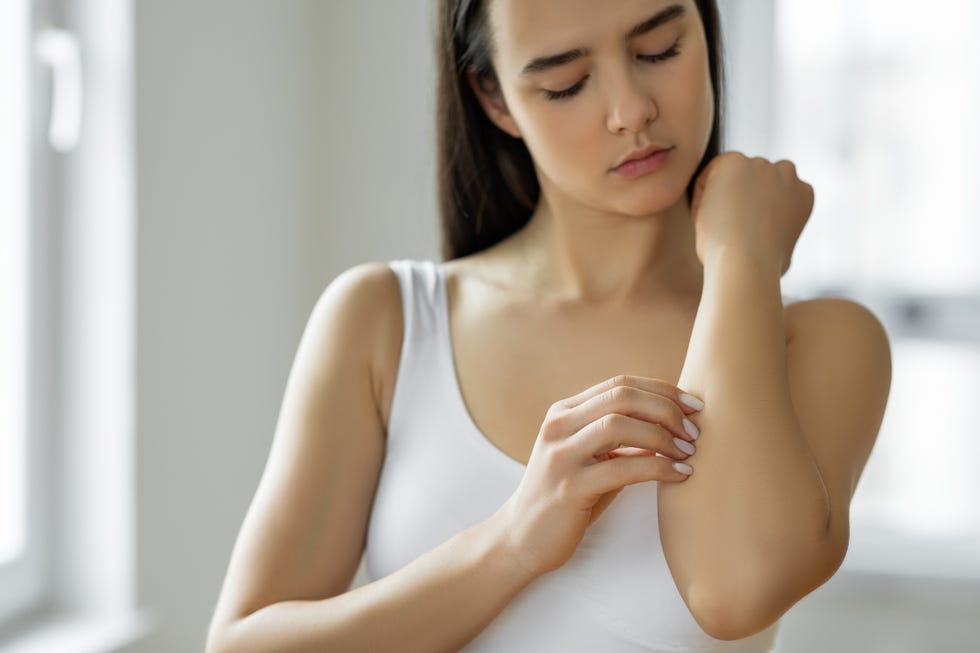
876	105
19	583
12	281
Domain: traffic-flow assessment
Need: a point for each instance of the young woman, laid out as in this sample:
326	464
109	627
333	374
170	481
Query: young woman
597	425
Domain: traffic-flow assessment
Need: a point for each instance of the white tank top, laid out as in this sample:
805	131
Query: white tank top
441	475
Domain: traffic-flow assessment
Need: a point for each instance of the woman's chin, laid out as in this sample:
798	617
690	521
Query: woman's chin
650	204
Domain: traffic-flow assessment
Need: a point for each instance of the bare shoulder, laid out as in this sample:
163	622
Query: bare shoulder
365	287
838	339
836	313
371	301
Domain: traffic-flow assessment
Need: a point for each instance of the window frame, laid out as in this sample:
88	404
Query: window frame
25	580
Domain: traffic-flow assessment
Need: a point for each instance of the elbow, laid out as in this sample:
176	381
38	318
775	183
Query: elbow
734	619
753	605
733	616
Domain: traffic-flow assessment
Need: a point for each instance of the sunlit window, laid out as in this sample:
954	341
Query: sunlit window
877	105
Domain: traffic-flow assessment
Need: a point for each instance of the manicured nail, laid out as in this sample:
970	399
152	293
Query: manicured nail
691	429
684	446
682	468
692	401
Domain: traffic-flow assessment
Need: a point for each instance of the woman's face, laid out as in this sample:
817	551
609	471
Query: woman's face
617	99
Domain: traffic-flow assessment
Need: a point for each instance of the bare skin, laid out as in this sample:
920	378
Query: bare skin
497	328
609	278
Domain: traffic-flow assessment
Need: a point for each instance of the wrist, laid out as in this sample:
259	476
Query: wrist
724	256
504	553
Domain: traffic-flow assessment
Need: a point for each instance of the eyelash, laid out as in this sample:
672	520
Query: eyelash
650	58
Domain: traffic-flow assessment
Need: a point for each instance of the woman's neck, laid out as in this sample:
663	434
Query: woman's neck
581	256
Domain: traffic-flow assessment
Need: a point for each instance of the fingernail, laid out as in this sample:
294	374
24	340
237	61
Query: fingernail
684	446
692	401
682	468
691	428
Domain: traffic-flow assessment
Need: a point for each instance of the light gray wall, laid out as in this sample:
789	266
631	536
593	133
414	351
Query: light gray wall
278	144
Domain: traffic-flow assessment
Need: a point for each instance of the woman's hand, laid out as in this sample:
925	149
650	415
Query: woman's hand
751	205
589	447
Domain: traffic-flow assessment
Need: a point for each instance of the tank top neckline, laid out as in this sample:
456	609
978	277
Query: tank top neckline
442	299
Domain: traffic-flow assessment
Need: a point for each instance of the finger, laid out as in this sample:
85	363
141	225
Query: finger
615	473
657	386
631	451
631	401
625	451
613	431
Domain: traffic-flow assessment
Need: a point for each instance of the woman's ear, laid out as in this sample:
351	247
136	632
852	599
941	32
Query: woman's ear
492	100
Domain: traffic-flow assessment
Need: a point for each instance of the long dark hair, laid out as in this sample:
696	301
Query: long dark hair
487	184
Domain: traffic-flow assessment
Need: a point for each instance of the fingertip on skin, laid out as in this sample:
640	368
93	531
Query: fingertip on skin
691	401
683	469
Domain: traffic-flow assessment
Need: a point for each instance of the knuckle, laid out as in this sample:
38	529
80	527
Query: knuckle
554	426
620	393
618	421
556	411
606	423
620	380
557	407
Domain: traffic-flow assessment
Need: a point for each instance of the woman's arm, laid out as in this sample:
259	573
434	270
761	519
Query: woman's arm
438	602
287	587
764	520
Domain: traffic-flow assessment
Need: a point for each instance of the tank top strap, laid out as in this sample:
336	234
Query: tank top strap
418	390
419	288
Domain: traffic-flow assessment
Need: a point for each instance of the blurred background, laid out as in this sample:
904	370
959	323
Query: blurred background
181	179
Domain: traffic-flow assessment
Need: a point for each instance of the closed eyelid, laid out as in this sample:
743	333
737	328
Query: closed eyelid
654	59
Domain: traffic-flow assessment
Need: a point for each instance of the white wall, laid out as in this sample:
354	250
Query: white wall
278	144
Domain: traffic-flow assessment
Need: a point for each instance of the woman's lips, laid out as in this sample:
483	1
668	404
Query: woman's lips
633	169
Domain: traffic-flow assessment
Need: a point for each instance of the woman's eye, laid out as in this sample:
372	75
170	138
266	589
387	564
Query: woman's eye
663	56
568	92
650	58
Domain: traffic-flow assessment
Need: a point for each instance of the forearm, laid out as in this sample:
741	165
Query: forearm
438	602
756	495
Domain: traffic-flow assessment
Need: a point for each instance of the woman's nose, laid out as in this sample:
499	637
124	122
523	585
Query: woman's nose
630	105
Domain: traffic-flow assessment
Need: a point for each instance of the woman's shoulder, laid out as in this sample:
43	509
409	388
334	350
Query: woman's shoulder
366	286
369	298
829	314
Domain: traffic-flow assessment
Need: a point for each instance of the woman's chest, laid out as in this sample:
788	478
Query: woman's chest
511	366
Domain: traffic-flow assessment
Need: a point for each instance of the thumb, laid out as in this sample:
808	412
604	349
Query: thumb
603	503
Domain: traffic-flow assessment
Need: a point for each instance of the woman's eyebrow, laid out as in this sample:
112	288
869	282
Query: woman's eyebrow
540	64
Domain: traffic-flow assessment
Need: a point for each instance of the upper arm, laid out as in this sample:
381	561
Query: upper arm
839	366
839	374
303	535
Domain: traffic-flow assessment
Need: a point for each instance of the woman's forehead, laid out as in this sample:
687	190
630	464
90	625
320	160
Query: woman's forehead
528	29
